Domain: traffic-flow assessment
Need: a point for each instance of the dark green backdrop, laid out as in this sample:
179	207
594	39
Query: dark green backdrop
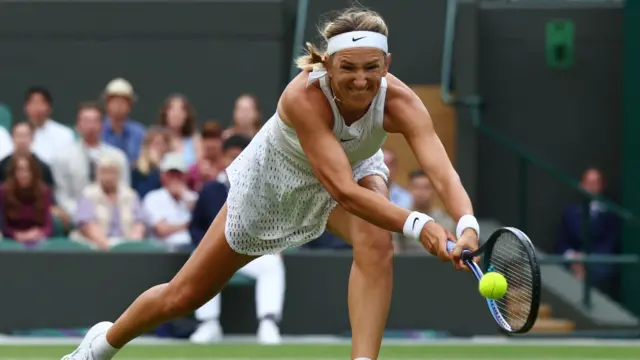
85	288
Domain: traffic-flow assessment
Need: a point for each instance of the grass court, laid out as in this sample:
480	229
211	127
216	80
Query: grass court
242	351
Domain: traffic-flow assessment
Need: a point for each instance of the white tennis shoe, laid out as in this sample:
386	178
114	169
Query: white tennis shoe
84	350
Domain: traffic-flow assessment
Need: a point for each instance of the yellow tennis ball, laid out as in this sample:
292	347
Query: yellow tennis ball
493	285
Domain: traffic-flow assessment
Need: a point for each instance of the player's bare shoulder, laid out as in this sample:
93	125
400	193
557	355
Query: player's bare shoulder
300	99
401	104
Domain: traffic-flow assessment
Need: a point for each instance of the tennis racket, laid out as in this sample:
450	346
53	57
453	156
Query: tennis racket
510	253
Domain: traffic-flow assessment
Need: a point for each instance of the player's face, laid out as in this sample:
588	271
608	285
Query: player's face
356	75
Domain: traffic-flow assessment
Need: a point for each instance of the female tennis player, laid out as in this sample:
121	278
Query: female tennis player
317	164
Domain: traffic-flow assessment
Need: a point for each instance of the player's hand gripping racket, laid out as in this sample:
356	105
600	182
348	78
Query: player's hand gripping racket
510	253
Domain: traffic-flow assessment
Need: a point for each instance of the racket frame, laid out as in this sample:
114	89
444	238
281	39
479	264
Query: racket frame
536	287
485	249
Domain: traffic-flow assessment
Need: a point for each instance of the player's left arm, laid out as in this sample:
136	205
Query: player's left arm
407	115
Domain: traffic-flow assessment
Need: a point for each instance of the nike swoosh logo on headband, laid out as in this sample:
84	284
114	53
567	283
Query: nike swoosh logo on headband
356	39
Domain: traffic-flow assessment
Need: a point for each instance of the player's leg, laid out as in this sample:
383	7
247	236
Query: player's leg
206	272
269	273
371	276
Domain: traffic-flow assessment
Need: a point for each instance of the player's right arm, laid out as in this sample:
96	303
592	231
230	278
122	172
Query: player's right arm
305	112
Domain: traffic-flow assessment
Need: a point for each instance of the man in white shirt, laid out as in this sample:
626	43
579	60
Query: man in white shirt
74	168
168	209
50	137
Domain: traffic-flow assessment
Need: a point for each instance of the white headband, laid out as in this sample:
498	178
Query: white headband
357	39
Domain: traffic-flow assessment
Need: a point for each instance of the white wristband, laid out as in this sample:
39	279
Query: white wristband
414	224
467	222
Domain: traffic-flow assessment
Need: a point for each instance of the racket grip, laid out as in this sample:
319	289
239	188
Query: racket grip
451	245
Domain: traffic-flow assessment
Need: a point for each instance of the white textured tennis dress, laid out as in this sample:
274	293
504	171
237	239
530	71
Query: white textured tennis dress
275	200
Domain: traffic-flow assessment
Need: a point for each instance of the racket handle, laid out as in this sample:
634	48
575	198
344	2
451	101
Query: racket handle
451	245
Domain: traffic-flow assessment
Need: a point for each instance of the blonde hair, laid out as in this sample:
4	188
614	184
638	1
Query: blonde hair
144	163
352	19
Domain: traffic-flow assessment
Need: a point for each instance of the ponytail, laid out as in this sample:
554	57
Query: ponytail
311	59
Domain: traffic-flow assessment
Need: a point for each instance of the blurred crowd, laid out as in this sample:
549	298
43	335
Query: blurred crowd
111	179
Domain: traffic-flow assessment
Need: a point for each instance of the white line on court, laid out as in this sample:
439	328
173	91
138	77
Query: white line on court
324	358
327	341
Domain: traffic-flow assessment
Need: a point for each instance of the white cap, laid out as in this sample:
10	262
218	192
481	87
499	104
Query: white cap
173	161
119	87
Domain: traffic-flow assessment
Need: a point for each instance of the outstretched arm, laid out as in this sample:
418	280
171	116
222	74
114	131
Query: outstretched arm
411	118
408	116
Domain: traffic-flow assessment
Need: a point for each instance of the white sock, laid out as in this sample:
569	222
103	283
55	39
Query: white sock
101	349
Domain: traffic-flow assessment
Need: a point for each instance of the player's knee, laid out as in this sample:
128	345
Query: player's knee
373	248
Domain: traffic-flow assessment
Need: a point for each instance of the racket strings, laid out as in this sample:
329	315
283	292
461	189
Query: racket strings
510	259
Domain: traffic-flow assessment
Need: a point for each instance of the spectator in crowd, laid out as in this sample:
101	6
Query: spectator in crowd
397	193
267	270
50	137
232	148
6	147
179	117
22	139
604	235
211	162
25	202
120	130
247	118
74	168
168	209
109	211
146	172
425	201
214	193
